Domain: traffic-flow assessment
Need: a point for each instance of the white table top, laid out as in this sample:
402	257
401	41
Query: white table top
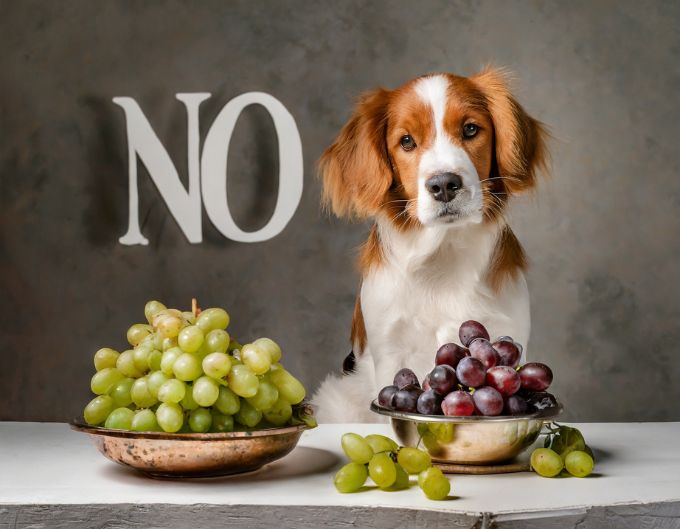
45	463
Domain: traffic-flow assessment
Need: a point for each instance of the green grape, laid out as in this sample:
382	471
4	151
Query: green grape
168	325
269	346
290	388
227	401
217	341
141	395
234	345
187	367
356	448
126	364
189	317
381	443
200	420
168	343
154	381
280	413
170	417
120	419
202	351
434	483
221	422
242	381
154	341
102	381
120	393
382	469
211	319
266	396
98	409
546	462
247	415
206	391
105	357
216	365
351	477
137	332
578	463
190	338
152	308
256	359
145	421
154	360
402	480
413	460
188	402
168	360
172	391
443	431
141	358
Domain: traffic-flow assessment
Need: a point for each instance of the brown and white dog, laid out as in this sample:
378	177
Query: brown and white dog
433	163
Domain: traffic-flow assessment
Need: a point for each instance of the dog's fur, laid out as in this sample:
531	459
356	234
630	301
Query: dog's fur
429	265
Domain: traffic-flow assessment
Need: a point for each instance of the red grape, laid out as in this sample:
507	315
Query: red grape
515	405
450	354
443	379
482	350
471	372
488	401
471	329
535	376
406	399
508	352
405	377
429	403
504	379
426	382
385	396
458	404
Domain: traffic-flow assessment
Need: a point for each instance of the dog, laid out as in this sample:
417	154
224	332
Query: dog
433	164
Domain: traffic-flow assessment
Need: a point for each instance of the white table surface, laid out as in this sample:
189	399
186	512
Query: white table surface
48	464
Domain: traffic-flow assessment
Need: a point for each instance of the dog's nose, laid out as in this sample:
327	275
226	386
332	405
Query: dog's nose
443	186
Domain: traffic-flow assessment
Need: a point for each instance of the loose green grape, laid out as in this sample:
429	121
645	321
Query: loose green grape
247	415
140	356
271	347
381	443
188	402
435	485
98	409
168	360
216	365
280	413
190	338
578	463
290	388
120	419
356	448
126	364
103	381
170	417
402	480
189	317
200	420
168	325
154	360
546	462
351	477
211	319
145	421
382	470
120	393
154	381
187	367
413	460
242	381
105	357
221	422
256	359
172	391
217	341
266	396
152	308
137	332
206	391
141	395
168	343
227	401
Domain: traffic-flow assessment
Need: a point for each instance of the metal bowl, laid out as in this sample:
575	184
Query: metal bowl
468	440
181	455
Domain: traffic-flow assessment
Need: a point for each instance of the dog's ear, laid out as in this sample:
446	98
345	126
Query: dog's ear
520	140
356	169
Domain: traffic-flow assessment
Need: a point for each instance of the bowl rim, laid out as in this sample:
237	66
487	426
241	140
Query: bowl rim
544	414
80	426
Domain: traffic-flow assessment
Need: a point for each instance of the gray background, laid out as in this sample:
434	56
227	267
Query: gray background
602	232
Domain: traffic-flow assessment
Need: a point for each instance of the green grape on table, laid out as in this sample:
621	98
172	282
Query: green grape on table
402	480
434	483
145	421
216	365
141	395
190	338
256	359
126	364
137	332
247	415
120	419
120	393
205	391
105	357
188	402
579	463
154	360
152	308
213	318
266	396
217	341
280	413
168	360
187	367
172	391
269	346
200	420
414	460
290	388
98	409
356	448
170	417
222	422
351	477
103	381
381	443
227	401
242	380
382	470
546	462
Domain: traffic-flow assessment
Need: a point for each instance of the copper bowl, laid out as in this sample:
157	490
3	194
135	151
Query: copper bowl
468	440
183	455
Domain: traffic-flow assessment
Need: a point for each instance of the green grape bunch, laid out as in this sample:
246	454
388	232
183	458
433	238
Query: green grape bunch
564	451
185	373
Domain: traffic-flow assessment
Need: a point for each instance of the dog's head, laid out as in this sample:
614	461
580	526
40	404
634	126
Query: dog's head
440	150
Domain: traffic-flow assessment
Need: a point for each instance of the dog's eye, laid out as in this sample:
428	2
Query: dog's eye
470	130
407	142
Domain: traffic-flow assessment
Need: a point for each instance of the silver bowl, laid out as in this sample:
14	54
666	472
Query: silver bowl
468	440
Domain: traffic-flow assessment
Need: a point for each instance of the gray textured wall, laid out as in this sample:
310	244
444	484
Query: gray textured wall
602	233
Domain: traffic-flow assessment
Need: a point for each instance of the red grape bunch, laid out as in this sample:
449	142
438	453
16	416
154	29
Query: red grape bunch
479	377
